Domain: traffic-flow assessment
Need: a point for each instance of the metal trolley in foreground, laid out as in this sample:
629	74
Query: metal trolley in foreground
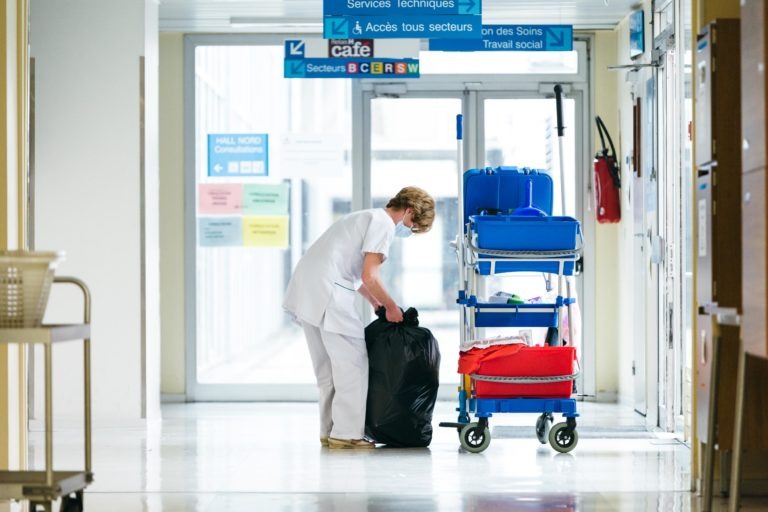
498	234
42	488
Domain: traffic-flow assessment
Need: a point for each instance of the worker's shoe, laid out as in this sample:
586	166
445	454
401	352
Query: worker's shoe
355	444
324	441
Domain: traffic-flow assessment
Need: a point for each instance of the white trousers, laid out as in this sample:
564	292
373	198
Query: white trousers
341	369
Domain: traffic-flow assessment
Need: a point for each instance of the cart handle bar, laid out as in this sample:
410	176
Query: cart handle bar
528	254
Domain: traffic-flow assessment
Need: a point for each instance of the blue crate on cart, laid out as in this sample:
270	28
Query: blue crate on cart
517	233
523	233
492	194
516	315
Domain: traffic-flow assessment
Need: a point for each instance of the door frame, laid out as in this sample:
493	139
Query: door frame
473	90
669	52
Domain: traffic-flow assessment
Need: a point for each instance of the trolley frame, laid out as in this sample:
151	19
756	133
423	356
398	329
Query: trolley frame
41	488
475	437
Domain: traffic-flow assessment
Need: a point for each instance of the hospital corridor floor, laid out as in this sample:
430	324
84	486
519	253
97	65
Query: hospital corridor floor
267	457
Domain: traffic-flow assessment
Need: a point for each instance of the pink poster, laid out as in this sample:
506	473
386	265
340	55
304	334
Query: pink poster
220	199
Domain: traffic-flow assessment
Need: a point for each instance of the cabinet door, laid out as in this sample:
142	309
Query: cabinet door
703	99
753	113
703	365
726	369
704	245
754	262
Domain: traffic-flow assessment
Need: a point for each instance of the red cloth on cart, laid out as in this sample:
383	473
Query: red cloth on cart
471	360
519	360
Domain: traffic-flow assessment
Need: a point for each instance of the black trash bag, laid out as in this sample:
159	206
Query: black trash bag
404	366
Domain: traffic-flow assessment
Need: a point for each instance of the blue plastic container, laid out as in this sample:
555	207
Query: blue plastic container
543	266
516	315
524	233
503	189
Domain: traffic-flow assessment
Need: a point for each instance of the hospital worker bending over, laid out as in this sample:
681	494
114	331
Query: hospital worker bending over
321	296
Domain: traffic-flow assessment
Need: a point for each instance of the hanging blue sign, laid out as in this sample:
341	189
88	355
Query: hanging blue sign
402	27
314	47
350	68
350	58
238	154
400	7
512	38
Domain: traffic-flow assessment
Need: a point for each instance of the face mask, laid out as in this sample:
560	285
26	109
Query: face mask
402	231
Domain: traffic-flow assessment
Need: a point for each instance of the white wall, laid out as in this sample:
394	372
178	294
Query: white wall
631	83
608	284
89	193
151	209
626	266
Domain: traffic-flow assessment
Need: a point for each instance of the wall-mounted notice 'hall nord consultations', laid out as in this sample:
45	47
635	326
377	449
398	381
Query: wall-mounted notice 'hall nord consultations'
238	154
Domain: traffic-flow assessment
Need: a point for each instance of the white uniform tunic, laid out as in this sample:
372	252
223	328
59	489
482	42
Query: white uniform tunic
322	289
321	294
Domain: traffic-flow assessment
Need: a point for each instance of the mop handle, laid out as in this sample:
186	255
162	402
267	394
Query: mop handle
460	172
559	102
560	134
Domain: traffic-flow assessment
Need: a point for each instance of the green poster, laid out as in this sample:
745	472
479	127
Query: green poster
264	199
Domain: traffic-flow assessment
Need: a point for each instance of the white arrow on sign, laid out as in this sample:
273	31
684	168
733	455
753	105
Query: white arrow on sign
296	48
218	168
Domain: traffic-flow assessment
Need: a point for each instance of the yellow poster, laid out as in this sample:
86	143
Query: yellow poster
266	231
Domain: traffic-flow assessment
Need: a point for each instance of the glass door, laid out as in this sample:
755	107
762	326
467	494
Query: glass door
271	163
270	172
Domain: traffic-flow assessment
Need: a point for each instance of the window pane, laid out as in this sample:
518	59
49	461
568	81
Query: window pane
243	336
413	141
523	133
498	63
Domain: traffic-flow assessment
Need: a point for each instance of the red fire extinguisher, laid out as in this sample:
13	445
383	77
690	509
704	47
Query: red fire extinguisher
607	180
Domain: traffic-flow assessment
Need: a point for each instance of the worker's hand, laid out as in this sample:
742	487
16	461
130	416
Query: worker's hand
394	314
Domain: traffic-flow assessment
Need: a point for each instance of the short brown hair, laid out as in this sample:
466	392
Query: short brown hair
422	204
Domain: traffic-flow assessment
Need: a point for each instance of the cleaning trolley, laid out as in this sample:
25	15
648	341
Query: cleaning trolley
25	281
506	226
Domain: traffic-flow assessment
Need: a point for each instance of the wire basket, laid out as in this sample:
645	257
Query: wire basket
25	281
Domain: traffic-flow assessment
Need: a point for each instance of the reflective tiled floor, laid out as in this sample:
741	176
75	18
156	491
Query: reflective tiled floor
266	457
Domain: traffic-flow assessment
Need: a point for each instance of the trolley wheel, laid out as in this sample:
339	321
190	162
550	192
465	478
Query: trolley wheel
563	438
72	502
543	426
474	438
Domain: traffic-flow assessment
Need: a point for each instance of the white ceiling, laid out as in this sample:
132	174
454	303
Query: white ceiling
215	15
